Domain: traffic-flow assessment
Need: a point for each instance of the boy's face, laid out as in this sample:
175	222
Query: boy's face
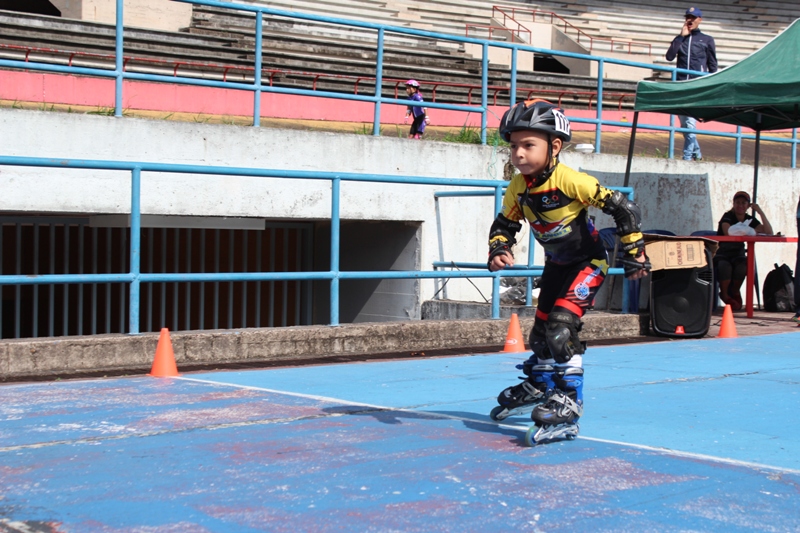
529	151
409	90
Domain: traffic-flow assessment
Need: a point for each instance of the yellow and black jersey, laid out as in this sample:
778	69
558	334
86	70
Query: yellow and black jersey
557	212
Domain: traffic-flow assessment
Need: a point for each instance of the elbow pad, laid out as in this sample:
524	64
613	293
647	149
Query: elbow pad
628	218
501	236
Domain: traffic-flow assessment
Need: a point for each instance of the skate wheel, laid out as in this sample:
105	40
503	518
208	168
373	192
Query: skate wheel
571	437
495	413
529	436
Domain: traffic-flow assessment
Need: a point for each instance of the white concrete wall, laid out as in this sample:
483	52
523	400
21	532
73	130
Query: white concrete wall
565	43
613	71
676	195
71	9
162	15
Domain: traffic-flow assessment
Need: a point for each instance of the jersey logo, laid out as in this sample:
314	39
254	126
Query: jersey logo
550	231
550	202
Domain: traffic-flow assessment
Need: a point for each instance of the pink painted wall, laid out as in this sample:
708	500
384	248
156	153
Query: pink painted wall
48	88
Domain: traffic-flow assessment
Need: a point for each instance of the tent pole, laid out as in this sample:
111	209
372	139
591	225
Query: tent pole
755	165
630	148
613	258
757	156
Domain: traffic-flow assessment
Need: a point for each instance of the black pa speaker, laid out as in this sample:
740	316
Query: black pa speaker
681	300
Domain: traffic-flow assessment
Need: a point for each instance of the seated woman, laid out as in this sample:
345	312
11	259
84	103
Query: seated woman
730	261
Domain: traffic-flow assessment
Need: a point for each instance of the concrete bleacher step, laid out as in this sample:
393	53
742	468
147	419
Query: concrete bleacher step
305	51
244	25
222	20
296	52
362	10
592	16
741	13
97	38
208	22
736	30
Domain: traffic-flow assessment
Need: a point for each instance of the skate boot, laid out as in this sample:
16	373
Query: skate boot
523	397
557	417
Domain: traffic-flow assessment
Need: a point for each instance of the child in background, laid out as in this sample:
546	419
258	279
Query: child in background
554	199
419	113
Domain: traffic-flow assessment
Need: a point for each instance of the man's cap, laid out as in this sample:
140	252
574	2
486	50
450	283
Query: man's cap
741	194
694	12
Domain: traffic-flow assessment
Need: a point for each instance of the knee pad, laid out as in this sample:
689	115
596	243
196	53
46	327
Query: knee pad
562	336
538	342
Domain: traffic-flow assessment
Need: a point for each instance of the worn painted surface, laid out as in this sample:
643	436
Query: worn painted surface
677	436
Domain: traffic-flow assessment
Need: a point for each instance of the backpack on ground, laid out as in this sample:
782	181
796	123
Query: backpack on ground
779	289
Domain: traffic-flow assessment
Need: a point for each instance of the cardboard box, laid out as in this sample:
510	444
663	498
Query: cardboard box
667	252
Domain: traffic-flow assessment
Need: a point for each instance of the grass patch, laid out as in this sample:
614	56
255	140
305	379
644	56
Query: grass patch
472	135
367	129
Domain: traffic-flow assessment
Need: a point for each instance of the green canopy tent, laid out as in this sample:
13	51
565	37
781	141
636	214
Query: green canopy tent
760	92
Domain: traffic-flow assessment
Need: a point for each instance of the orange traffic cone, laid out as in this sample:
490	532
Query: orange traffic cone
727	330
164	362
514	342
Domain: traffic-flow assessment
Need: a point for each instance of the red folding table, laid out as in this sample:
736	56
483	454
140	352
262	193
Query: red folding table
751	241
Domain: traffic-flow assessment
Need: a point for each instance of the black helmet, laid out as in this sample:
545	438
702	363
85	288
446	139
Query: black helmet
536	115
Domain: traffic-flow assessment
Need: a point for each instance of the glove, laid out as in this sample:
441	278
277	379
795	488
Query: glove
632	266
497	247
405	119
427	120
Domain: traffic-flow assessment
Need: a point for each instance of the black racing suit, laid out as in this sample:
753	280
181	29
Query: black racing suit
576	262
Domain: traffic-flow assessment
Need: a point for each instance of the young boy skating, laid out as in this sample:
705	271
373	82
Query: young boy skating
554	199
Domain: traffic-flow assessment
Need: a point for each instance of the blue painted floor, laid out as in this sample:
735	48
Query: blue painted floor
696	435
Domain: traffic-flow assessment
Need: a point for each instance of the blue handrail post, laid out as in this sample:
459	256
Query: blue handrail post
599	126
626	296
336	185
484	89
257	72
671	149
496	296
498	199
118	61
529	281
512	91
794	156
738	144
498	206
376	122
136	249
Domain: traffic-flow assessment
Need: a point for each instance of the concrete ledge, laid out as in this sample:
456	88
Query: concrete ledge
20	359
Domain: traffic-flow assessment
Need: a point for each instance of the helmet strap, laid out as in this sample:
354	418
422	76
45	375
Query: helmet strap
545	175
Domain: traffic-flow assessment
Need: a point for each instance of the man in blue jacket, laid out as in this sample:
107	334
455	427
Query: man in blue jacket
695	51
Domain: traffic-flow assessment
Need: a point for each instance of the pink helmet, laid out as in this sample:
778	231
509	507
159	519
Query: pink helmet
412	83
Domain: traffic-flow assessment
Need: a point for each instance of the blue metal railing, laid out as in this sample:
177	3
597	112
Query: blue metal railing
119	74
135	277
498	201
